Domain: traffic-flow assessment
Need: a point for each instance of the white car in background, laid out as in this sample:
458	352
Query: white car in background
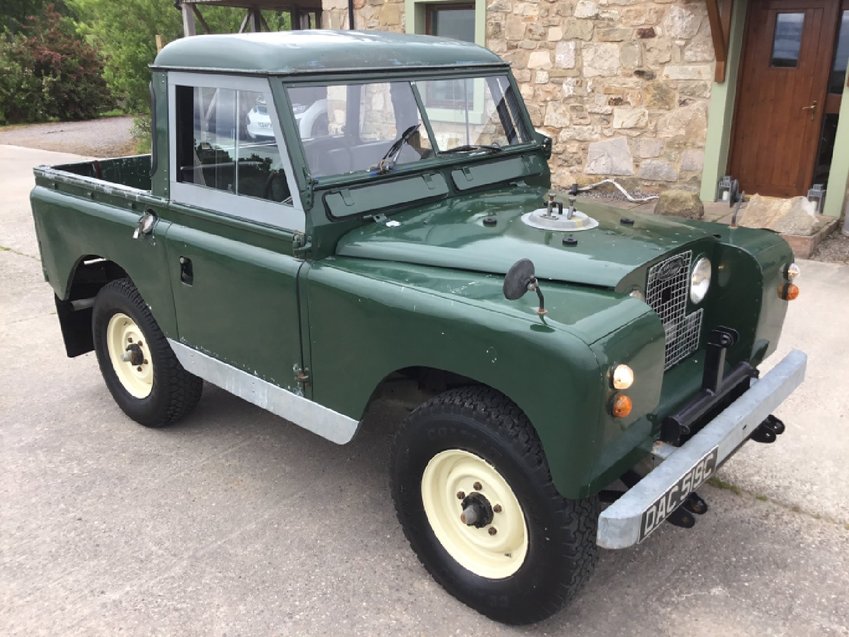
311	119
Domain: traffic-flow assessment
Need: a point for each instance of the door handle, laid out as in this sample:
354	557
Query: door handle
812	108
187	274
145	224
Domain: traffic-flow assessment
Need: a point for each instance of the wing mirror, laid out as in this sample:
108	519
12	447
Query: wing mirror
519	280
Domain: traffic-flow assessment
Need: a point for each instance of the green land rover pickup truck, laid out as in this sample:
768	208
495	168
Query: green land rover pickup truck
331	217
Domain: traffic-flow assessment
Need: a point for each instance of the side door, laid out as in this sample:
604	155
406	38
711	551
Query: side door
235	214
781	97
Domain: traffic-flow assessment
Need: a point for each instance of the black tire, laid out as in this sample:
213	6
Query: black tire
174	391
561	552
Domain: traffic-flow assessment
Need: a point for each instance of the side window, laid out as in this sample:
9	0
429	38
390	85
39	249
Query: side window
226	141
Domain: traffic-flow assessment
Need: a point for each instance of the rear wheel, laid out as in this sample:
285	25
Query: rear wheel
136	361
474	496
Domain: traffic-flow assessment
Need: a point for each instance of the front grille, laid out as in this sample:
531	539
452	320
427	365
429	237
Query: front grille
666	292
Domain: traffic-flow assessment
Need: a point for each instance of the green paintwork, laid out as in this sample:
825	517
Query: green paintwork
355	300
451	233
317	51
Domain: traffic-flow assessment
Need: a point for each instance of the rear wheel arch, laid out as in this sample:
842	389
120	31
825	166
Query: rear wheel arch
88	276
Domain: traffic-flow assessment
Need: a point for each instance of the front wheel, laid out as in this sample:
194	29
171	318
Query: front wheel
474	496
136	361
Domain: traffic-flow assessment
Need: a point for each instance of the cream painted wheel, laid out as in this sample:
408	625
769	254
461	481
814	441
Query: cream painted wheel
130	355
494	543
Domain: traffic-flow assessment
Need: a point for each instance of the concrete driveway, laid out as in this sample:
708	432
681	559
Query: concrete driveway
236	522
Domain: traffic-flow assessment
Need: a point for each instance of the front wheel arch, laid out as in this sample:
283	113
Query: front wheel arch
561	548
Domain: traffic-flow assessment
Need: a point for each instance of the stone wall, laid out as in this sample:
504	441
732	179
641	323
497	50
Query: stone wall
620	85
383	15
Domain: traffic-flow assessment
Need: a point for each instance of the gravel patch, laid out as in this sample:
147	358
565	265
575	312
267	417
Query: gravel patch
834	249
105	137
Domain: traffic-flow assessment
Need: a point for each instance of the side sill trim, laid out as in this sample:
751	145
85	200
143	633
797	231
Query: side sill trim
296	409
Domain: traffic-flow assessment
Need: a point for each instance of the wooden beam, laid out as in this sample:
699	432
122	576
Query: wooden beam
201	19
244	26
188	20
719	31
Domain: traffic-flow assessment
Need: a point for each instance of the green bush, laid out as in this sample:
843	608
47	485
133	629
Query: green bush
47	71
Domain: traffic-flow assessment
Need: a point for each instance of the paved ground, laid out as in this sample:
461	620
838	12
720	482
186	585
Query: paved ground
238	523
103	137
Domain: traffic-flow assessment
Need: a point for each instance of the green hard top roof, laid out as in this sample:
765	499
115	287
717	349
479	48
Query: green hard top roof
309	51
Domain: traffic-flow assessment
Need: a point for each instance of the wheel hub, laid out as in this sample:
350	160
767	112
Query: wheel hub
477	511
134	354
474	513
129	354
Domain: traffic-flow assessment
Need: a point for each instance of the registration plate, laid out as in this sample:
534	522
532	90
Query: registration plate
675	495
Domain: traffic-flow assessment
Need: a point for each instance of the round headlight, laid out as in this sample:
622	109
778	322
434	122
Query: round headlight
622	377
792	271
700	280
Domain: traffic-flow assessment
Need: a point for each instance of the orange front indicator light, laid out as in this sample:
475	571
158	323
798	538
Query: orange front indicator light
790	291
621	406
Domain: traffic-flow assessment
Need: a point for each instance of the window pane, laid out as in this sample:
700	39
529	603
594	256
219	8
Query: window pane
838	69
787	41
230	145
357	125
456	22
213	163
259	168
473	111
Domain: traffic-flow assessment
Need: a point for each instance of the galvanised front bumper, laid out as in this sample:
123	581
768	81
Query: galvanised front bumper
626	522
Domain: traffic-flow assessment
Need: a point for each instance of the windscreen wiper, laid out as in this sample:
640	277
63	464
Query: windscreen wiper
469	148
388	161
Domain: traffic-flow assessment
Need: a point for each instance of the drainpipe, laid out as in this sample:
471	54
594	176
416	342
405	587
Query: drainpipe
351	15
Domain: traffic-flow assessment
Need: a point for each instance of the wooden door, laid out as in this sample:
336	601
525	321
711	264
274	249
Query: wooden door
781	94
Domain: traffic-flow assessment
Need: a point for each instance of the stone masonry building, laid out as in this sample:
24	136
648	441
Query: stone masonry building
664	93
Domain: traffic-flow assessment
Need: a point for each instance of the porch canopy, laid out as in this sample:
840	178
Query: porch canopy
306	14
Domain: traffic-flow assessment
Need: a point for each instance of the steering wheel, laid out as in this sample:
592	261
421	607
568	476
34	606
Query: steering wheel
276	188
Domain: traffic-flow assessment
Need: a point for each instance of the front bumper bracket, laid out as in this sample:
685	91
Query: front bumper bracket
622	523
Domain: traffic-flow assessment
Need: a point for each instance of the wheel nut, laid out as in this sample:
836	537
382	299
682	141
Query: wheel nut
497	508
145	362
141	344
477	486
460	495
493	530
138	369
129	339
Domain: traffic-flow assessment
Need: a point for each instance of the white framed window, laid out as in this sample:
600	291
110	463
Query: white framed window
227	152
451	101
448	19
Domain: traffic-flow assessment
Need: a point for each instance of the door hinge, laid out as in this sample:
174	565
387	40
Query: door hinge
307	195
302	374
300	245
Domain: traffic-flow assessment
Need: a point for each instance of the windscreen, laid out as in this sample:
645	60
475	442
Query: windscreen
382	126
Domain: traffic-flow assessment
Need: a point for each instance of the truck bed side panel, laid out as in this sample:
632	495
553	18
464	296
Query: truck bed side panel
71	228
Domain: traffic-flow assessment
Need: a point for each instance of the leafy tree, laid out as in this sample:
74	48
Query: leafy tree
125	34
47	71
14	13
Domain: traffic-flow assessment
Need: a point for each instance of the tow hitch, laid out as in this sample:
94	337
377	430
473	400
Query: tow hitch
768	430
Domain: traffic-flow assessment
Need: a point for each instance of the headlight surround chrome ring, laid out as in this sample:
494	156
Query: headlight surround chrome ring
700	280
